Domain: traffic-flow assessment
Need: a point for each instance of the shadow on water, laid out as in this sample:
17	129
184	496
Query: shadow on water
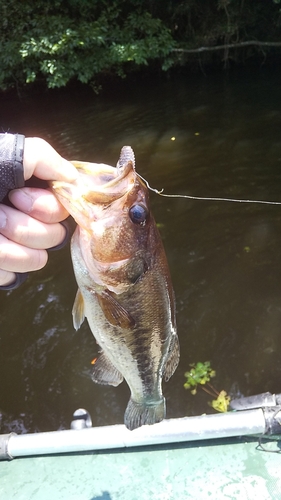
224	258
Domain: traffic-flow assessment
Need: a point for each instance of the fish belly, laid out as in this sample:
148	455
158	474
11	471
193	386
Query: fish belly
147	404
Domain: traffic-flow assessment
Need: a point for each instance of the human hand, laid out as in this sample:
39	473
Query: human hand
30	228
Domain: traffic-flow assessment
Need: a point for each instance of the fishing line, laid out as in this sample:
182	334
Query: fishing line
190	197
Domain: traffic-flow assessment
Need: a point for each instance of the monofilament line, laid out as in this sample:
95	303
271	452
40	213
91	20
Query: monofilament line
206	198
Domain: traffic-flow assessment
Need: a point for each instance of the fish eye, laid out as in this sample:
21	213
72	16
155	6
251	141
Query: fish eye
138	214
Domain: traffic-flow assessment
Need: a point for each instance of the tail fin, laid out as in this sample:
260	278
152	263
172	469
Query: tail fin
138	414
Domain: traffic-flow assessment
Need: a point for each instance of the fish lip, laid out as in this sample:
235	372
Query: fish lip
107	192
65	191
85	187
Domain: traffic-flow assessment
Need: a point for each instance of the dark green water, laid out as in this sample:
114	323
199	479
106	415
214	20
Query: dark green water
224	257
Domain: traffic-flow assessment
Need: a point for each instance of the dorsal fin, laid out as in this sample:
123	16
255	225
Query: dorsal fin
173	358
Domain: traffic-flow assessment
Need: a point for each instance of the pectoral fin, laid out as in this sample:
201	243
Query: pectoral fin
78	313
116	314
104	372
173	358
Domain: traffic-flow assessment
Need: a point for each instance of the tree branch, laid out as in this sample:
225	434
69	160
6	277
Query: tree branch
229	46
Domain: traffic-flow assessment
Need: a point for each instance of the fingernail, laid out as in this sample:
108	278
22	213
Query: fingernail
3	219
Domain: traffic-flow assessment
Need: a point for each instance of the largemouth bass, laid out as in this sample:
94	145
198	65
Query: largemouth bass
125	289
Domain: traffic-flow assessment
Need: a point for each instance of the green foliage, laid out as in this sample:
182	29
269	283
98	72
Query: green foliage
59	40
200	373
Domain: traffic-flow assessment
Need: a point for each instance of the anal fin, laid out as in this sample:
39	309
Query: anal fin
104	372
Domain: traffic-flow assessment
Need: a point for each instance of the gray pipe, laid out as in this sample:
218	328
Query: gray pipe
248	422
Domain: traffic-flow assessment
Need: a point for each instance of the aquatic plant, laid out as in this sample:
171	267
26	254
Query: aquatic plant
200	375
221	403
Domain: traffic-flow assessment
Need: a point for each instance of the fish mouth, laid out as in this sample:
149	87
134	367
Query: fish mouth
97	184
114	188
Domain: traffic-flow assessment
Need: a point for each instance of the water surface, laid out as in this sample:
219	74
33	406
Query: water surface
224	257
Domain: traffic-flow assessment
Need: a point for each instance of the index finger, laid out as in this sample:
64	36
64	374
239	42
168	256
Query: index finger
43	161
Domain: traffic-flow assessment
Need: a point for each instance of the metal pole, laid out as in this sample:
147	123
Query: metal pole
248	422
